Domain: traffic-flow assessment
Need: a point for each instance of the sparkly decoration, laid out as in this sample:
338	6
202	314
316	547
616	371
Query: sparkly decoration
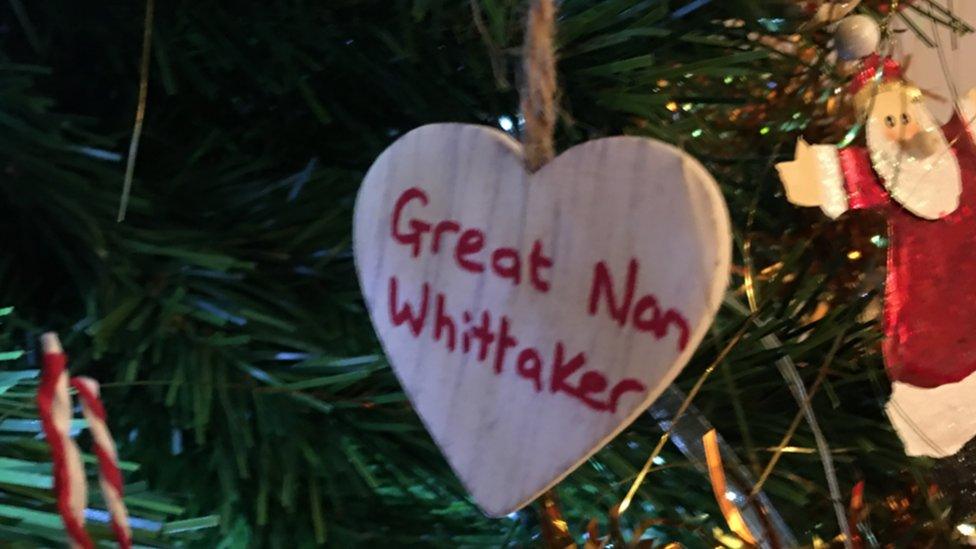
834	198
716	475
956	475
924	178
856	512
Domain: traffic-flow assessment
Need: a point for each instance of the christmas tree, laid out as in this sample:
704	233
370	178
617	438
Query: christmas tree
225	322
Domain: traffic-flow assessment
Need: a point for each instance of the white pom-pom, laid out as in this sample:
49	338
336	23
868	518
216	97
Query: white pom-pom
857	36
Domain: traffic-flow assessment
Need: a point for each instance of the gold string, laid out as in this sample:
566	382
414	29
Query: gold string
784	443
130	164
625	503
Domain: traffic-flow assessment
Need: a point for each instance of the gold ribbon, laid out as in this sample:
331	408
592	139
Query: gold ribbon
716	474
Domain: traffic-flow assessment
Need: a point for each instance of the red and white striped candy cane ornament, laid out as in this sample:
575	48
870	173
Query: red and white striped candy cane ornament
70	483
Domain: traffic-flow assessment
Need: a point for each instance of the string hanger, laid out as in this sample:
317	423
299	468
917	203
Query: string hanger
538	92
538	105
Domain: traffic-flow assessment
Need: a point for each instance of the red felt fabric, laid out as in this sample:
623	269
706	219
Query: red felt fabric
864	189
930	294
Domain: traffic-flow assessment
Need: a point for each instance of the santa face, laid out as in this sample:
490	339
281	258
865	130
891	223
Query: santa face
911	154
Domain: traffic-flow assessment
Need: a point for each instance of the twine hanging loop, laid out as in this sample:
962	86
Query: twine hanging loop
538	94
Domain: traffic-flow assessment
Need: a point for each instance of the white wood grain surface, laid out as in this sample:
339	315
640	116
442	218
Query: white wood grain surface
510	423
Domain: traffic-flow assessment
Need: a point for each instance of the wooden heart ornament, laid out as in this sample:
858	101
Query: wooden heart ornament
531	317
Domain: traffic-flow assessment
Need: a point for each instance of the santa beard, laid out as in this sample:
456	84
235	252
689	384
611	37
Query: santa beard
934	422
921	175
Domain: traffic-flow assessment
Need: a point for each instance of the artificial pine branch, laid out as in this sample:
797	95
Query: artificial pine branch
224	318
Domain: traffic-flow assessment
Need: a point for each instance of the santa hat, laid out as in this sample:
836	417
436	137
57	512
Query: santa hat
868	82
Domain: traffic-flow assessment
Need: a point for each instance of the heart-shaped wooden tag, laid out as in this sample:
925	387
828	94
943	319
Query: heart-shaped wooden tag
531	317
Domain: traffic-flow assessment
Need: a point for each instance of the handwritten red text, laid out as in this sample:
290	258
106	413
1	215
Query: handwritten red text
491	341
468	244
491	338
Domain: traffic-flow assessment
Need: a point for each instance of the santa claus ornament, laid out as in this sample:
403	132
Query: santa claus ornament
922	176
